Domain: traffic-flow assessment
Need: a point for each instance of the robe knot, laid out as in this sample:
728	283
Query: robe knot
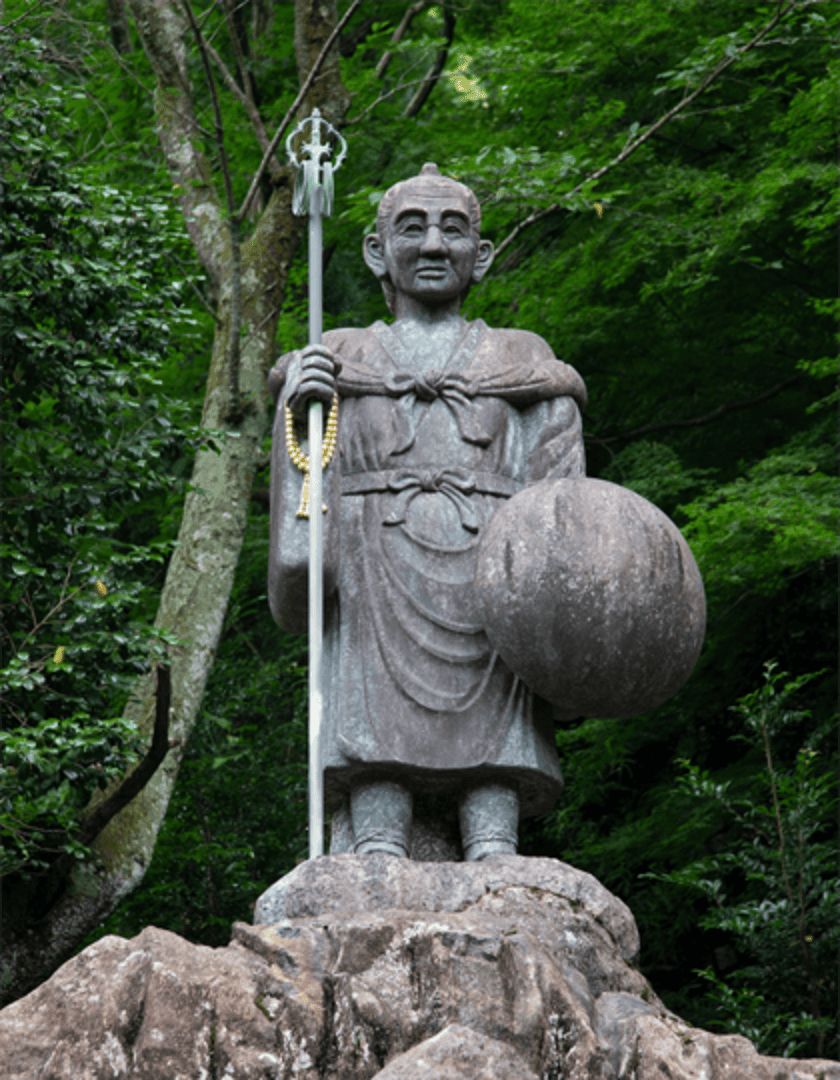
455	483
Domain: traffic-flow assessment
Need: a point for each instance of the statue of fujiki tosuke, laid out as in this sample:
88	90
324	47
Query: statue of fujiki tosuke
441	421
432	747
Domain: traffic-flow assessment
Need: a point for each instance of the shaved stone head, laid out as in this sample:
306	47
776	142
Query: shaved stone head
429	182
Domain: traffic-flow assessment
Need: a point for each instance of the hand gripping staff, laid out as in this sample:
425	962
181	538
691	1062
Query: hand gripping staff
313	194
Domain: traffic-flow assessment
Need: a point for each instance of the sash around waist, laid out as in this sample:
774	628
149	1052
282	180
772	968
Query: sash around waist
429	479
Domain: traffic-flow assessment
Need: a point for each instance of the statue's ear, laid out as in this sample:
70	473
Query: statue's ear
483	260
374	253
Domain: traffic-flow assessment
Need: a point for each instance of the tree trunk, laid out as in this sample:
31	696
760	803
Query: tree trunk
201	572
118	24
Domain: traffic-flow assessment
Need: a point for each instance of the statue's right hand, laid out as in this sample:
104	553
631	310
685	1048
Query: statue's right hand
318	373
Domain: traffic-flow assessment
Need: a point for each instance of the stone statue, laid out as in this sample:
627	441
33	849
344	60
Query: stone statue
441	421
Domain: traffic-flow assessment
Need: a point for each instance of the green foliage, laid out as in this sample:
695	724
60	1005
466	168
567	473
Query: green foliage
91	439
237	817
50	771
691	286
654	471
781	517
749	1013
773	887
699	287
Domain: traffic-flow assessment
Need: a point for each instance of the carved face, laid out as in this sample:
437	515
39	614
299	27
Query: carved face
430	251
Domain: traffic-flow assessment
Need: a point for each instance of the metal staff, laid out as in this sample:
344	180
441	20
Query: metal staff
314	194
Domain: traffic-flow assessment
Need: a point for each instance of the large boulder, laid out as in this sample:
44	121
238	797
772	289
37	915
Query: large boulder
590	594
371	966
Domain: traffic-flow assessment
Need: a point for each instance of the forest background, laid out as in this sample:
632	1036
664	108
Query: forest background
659	178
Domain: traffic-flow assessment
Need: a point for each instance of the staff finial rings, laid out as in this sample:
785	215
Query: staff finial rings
316	148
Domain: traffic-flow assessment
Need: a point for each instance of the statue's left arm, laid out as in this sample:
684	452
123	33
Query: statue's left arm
553	432
554	440
547	396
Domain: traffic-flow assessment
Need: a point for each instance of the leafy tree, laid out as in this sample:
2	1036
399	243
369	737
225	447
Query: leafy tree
781	863
708	375
87	316
247	276
237	817
659	181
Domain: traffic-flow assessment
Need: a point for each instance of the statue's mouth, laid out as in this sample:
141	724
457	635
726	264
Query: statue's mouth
432	271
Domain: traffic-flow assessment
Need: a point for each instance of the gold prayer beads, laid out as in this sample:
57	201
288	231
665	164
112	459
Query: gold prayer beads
302	461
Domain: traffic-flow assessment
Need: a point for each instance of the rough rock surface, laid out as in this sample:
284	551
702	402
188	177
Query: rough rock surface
373	966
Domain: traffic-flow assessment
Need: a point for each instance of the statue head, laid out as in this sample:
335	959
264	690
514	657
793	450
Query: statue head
427	243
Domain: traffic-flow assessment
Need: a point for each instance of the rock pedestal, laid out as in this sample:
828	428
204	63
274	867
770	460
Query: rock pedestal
362	966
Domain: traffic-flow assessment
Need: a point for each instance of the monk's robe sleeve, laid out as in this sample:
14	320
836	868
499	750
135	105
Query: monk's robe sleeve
288	556
555	440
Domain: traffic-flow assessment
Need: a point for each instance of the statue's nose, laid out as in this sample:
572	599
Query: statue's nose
433	240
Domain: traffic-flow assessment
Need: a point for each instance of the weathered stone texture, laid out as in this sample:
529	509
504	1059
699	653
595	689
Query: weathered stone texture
591	596
513	967
343	883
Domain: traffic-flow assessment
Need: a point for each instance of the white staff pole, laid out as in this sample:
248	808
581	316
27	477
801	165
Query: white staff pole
313	194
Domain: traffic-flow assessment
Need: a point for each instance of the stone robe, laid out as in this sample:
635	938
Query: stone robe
412	688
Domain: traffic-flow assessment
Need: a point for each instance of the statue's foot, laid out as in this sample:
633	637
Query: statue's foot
485	848
368	847
488	815
381	814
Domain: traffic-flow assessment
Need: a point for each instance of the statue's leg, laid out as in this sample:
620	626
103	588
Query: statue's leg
381	812
489	815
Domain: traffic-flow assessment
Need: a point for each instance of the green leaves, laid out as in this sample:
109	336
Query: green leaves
88	314
701	285
774	890
751	1014
50	770
654	471
780	517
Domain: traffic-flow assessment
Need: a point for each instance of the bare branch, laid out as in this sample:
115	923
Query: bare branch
794	41
162	30
310	78
261	324
20	18
260	17
730	406
384	97
143	772
631	147
118	23
429	83
399	34
233	224
241	60
131	786
247	102
217	112
62	600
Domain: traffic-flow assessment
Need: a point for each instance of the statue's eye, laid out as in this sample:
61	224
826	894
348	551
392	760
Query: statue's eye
454	227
